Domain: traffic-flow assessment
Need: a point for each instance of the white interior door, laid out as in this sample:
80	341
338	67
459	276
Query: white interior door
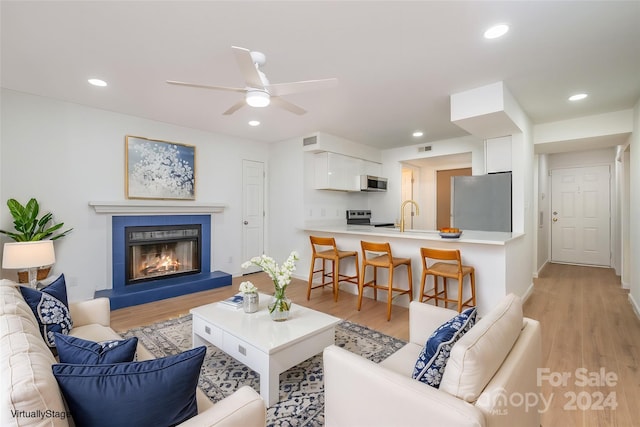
252	211
580	216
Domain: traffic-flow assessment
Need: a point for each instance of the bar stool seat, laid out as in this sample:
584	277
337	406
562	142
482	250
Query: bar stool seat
448	265
378	255
334	255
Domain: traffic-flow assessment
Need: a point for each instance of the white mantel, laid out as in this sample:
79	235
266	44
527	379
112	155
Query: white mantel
136	207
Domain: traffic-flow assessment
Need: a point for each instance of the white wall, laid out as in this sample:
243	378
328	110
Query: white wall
387	206
543	208
294	202
621	185
66	155
605	156
523	160
286	207
425	186
625	223
613	123
634	230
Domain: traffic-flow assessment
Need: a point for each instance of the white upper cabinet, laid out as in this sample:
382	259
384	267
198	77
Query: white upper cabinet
336	172
498	154
370	168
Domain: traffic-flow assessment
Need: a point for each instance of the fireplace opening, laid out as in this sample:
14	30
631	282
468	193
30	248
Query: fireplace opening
159	252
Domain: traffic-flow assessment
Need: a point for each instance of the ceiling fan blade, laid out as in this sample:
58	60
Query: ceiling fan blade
303	86
230	89
235	107
247	67
279	102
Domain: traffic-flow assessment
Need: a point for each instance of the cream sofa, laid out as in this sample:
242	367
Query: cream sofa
489	380
28	385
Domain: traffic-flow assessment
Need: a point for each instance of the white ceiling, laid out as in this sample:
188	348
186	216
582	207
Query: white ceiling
397	62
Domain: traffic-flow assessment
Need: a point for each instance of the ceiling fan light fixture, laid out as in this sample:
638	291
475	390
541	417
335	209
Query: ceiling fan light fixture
258	98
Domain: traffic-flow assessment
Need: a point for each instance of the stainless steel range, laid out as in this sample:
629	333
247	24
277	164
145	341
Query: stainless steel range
363	217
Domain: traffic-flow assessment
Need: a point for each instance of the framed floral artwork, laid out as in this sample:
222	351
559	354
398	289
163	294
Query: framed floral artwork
160	170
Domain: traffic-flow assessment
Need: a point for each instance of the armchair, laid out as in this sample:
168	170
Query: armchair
495	360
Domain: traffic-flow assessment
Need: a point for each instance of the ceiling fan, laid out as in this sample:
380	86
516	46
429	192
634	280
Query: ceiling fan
258	91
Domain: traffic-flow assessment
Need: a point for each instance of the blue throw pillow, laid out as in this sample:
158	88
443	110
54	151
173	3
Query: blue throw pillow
157	392
79	351
435	353
51	309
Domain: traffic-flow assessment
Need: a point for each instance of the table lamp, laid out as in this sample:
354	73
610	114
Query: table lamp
28	255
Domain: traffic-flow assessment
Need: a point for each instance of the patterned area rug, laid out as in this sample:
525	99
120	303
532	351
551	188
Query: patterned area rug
301	387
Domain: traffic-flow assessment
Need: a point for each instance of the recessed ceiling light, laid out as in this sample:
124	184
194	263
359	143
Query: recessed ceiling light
97	82
254	123
496	31
578	97
418	134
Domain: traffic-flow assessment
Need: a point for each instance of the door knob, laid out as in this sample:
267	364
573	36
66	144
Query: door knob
555	219
246	222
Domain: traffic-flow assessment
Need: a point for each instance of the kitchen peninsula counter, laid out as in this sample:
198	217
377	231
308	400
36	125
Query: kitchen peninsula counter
468	236
494	255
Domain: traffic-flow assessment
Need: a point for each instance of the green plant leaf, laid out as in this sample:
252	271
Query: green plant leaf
28	226
64	233
18	212
14	236
32	209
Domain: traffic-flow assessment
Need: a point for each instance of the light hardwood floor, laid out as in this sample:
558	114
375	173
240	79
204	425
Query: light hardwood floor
588	327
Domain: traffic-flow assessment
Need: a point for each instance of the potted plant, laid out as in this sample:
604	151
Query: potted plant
29	228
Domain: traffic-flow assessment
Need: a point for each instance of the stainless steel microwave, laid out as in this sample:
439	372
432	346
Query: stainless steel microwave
372	183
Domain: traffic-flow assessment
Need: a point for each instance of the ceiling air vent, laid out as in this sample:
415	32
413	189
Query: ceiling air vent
423	149
310	140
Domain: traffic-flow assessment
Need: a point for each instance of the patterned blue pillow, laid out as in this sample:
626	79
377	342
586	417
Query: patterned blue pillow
157	392
51	309
435	353
79	351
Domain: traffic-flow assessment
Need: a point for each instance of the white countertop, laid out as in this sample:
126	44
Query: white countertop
468	236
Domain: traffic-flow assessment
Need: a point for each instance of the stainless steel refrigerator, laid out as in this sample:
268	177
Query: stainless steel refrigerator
481	202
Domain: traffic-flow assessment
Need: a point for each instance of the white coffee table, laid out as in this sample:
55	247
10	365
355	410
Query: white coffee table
267	347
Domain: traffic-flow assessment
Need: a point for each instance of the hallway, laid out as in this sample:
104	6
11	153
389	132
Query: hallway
591	347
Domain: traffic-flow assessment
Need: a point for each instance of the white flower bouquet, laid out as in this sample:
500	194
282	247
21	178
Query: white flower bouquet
279	274
248	288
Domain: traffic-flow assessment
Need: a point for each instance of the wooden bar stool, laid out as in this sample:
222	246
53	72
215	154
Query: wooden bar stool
324	248
381	257
446	270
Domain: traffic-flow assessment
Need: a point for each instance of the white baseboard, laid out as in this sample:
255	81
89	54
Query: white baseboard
634	305
537	273
527	293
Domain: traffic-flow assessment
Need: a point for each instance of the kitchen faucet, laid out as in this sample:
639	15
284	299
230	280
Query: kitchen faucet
405	203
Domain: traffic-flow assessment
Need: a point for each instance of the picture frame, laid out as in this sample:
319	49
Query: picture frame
159	170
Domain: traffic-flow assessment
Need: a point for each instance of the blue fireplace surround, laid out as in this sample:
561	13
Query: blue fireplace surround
122	295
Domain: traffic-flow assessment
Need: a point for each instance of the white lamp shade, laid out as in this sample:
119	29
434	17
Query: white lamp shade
28	254
258	98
